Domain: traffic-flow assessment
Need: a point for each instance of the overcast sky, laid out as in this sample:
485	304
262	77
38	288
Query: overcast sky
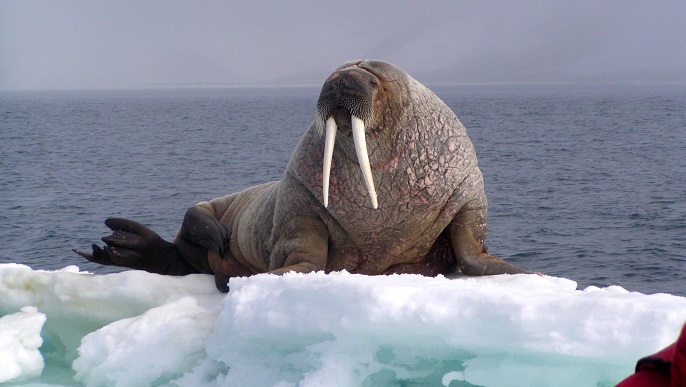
122	44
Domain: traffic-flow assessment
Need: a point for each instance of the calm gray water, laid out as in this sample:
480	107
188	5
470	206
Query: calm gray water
583	183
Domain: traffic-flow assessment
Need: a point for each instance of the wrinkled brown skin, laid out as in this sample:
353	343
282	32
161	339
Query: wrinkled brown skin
431	217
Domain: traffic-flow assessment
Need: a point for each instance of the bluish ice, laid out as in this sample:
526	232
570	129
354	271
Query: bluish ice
68	327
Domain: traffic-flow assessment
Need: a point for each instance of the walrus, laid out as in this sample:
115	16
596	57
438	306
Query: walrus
385	180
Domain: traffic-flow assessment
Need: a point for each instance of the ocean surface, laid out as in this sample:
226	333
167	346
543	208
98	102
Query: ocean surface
584	182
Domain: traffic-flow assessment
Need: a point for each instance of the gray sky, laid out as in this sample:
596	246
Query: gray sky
121	44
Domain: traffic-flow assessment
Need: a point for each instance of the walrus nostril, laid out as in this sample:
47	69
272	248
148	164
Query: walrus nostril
340	84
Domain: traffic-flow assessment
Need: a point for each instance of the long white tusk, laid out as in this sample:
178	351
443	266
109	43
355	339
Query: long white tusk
328	155
363	157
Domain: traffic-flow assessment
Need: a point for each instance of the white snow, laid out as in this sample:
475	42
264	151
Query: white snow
136	328
19	342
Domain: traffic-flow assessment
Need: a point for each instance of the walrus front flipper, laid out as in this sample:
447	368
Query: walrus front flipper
206	231
468	235
222	283
135	246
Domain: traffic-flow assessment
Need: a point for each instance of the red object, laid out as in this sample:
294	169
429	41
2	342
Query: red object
679	361
666	368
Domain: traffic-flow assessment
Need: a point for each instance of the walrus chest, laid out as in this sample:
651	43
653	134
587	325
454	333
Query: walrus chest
402	230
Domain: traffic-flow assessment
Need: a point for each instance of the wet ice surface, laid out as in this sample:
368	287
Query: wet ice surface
136	328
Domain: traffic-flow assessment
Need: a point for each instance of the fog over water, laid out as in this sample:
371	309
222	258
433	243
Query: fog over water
132	44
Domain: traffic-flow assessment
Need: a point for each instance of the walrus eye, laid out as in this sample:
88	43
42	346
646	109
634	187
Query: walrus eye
374	83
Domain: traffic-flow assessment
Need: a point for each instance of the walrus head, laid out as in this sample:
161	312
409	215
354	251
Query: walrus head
346	103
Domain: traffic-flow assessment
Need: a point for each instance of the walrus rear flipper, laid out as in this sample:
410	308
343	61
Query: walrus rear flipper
137	247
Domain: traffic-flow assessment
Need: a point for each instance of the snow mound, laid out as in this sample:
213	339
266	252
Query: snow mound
19	342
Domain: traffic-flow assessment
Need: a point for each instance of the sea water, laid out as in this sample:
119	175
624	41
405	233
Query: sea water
585	185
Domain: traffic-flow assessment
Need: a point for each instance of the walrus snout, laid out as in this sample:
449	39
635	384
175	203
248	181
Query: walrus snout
351	89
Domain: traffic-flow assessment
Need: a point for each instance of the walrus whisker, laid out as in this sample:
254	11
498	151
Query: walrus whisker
330	138
363	157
